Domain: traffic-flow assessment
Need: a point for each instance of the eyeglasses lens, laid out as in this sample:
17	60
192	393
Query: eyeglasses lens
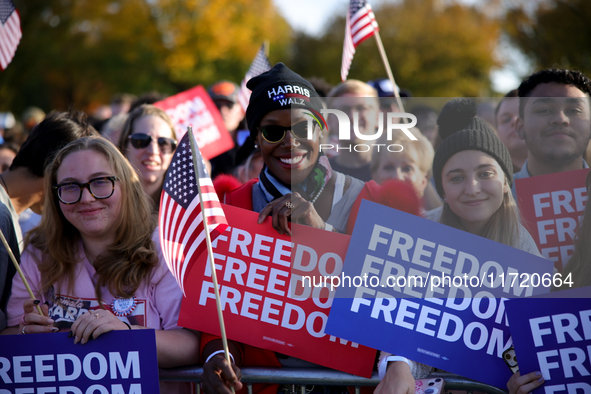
100	188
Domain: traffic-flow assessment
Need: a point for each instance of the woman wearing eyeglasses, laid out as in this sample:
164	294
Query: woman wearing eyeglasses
148	140
92	263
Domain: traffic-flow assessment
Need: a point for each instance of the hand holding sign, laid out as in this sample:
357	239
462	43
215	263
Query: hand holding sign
524	384
398	380
291	208
94	323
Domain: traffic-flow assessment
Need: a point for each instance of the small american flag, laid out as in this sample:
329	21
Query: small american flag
259	65
182	236
361	25
10	32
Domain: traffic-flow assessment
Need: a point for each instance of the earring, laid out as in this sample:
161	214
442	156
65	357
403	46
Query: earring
444	199
256	146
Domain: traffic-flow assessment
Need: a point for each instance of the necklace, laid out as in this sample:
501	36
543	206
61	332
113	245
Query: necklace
4	184
315	197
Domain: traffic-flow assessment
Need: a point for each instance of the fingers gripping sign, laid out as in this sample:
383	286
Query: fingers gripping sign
94	323
280	211
398	380
291	208
523	384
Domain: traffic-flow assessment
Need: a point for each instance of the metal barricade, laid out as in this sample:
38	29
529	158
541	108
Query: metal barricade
320	376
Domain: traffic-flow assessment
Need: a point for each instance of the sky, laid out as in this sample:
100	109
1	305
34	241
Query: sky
311	16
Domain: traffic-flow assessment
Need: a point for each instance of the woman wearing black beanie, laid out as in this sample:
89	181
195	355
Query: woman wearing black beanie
473	171
296	185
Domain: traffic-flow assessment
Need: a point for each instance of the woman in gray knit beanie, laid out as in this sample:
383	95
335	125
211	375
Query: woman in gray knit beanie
473	171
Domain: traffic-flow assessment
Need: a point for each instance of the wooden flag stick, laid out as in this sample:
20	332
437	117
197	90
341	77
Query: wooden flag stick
389	72
266	44
214	276
18	268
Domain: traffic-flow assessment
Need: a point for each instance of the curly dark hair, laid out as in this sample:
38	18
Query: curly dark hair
562	76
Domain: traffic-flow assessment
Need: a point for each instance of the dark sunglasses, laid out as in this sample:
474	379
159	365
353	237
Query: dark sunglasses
275	133
142	140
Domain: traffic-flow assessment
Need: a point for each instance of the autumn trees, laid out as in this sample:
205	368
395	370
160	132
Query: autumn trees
81	52
434	49
554	33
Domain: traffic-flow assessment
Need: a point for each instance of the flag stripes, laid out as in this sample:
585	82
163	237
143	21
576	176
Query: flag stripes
182	234
10	32
360	25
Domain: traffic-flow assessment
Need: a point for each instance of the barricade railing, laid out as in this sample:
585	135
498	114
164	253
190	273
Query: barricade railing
322	376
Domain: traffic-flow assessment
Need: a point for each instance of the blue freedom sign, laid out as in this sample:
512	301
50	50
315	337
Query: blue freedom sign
552	334
116	362
432	293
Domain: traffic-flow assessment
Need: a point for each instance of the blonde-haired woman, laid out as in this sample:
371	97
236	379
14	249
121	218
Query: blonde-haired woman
473	174
148	140
92	262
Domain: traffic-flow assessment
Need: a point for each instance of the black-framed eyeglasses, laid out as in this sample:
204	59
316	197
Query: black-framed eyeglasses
142	140
100	188
275	133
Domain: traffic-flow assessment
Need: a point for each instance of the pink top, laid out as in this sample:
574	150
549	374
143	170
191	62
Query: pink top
156	302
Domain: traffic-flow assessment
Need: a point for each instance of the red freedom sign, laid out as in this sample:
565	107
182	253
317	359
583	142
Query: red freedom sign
552	206
195	108
263	300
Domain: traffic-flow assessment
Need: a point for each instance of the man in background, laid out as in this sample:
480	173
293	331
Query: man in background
554	121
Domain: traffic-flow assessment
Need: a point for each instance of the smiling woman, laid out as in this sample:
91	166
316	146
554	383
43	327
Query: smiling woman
93	263
297	183
473	174
148	141
94	220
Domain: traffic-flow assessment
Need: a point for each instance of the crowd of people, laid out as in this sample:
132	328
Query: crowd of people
79	206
